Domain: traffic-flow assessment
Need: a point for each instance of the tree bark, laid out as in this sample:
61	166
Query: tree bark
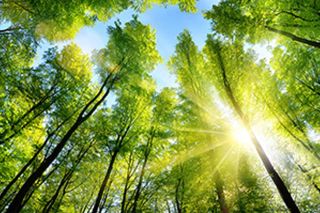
50	203
315	185
138	189
86	204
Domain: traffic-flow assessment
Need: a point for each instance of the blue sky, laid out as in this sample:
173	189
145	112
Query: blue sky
168	23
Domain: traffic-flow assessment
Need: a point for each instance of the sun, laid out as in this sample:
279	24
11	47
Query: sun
241	136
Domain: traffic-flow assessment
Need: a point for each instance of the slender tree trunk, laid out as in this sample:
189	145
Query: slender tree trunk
23	169
40	103
220	192
53	199
177	199
315	185
294	37
168	206
64	192
284	192
83	209
119	144
43	179
66	179
304	144
18	130
311	88
138	189
10	29
5	202
146	157
35	106
124	195
295	122
106	195
23	7
305	172
130	172
28	164
16	204
105	181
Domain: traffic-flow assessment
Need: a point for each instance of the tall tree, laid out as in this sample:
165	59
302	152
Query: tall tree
216	51
121	62
128	118
295	21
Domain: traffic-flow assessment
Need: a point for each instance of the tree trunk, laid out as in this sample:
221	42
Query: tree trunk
119	144
86	204
138	189
103	203
64	192
168	206
177	197
14	180
43	179
220	192
294	37
10	29
66	179
124	195
16	204
285	194
305	144
305	172
105	181
130	172
146	157
53	199
18	125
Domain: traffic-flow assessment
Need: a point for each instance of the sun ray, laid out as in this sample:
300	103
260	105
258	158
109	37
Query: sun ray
198	150
208	131
222	160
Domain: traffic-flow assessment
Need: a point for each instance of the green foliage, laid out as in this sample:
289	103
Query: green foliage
255	21
58	20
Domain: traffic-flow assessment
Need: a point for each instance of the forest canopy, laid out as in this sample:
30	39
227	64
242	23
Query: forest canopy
99	132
